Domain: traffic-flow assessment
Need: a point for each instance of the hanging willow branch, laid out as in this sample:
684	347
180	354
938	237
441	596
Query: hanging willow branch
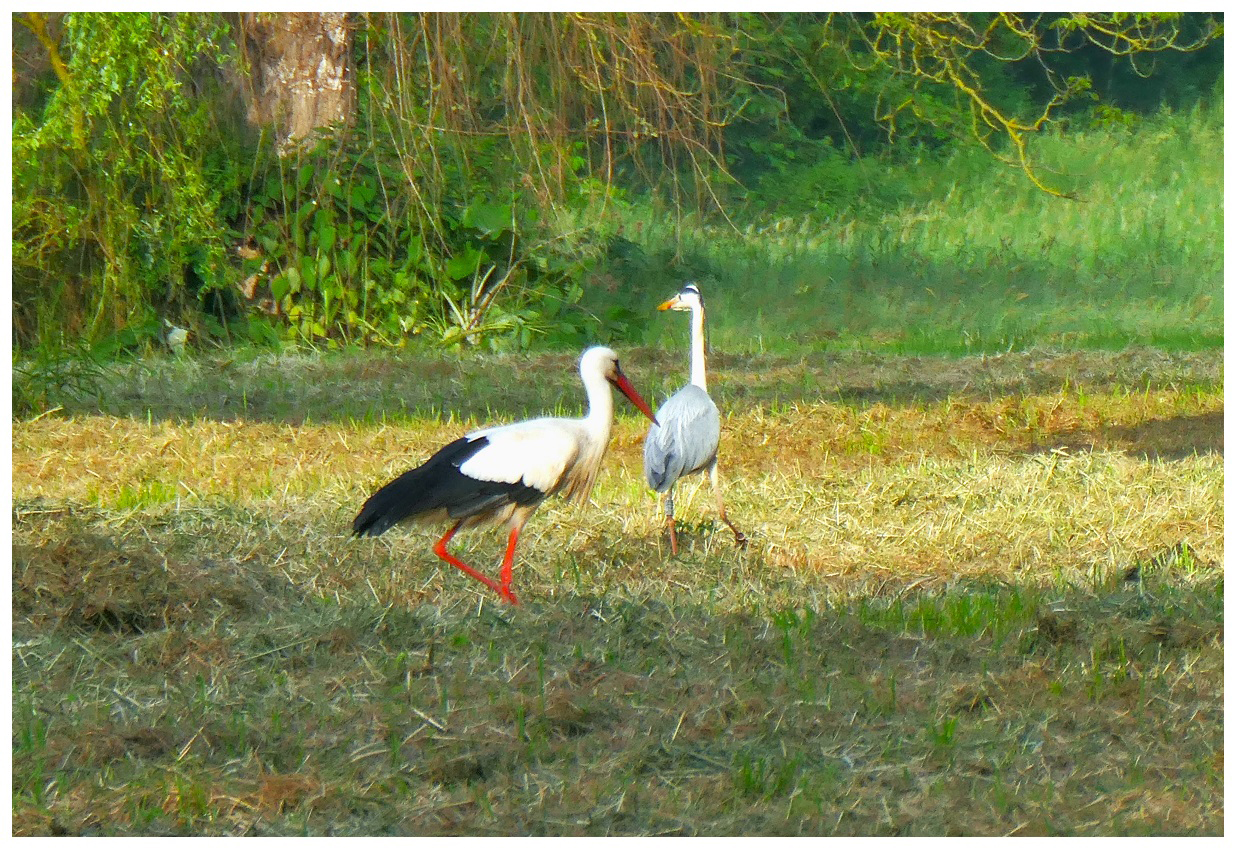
949	49
570	94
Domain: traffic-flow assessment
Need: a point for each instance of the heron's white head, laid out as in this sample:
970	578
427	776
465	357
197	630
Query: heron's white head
689	298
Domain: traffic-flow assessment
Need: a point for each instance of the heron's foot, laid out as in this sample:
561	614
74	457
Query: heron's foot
738	535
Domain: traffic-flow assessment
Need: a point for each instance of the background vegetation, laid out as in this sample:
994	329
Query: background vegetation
494	178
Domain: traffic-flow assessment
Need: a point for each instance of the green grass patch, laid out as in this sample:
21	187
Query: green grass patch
971	259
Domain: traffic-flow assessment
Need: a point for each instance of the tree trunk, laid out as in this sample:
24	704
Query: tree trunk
302	75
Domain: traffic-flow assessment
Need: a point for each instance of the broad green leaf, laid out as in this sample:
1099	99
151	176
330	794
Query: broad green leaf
327	237
489	218
280	287
464	263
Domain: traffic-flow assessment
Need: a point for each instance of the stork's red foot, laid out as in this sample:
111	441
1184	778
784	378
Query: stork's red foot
504	591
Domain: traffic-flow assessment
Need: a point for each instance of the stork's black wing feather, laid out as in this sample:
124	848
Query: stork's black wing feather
437	485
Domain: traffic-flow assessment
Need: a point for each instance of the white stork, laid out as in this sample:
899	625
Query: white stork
501	474
686	436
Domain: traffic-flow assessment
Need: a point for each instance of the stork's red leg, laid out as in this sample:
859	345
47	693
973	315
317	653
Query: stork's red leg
441	549
506	569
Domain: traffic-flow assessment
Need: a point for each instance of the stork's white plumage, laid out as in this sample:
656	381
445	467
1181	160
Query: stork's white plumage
686	438
501	474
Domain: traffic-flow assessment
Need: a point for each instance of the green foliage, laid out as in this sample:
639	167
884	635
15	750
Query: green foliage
810	92
52	376
354	257
845	86
486	214
113	206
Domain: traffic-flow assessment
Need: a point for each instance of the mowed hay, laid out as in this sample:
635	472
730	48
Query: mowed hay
1042	516
80	577
957	616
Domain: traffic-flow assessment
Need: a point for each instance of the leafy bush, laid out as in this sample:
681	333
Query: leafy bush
113	210
353	256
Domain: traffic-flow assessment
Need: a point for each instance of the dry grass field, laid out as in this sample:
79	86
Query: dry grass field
982	596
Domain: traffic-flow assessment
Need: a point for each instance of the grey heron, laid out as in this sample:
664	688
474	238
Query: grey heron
501	474
686	437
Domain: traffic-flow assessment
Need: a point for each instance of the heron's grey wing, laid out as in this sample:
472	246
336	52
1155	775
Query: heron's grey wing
685	440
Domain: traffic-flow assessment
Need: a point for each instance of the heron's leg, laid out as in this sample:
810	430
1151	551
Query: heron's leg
738	535
672	526
441	549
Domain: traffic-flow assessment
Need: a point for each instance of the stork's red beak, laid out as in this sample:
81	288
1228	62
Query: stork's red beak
622	384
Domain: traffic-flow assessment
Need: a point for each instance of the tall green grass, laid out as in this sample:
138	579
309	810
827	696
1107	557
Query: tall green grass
971	258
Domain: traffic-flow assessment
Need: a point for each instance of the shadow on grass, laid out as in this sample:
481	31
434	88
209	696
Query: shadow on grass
391	386
1174	438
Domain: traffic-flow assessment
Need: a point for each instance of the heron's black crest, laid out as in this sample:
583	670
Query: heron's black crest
691	288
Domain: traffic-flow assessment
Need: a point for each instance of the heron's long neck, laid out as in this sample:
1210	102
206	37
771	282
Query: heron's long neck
698	347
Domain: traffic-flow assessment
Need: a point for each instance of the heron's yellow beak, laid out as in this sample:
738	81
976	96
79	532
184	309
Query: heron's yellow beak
669	304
